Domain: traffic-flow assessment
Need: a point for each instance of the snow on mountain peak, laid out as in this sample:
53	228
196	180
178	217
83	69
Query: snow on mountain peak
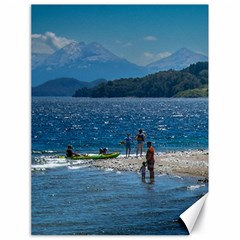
178	60
86	52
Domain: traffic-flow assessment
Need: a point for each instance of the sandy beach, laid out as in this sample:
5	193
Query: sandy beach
191	163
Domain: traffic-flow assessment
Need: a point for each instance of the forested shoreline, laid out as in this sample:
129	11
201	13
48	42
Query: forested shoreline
189	82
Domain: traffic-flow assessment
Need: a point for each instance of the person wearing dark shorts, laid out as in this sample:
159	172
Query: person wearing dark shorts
140	136
150	160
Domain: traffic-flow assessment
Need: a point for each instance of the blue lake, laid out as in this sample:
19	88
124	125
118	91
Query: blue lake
85	200
88	124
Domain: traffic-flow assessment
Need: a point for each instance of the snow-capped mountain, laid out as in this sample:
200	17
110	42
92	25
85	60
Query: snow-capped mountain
78	53
86	62
38	59
177	61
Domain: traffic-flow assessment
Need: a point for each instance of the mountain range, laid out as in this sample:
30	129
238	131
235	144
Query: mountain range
88	62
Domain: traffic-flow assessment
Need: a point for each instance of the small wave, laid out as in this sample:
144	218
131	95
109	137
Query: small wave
109	169
38	168
162	175
73	167
44	152
50	162
194	187
176	176
37	152
49	165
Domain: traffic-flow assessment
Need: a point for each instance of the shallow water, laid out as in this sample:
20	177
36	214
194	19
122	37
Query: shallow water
72	200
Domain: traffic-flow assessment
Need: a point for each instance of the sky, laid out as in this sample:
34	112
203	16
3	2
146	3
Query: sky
140	33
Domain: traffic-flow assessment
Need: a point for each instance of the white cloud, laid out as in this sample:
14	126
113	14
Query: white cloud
128	44
118	42
124	44
150	38
48	42
163	55
151	57
148	55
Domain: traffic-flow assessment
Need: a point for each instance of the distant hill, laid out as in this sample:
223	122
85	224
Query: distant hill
62	87
177	61
169	83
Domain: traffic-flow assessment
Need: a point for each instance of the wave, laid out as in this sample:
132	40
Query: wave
44	152
49	162
194	187
74	167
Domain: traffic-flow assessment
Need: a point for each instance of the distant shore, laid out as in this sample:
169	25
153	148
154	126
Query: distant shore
190	163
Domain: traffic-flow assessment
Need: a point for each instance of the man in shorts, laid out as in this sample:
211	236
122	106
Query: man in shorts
150	160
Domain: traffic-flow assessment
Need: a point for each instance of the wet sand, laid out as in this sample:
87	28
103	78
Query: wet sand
190	163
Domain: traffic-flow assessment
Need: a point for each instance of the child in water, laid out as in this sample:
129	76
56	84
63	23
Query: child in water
143	170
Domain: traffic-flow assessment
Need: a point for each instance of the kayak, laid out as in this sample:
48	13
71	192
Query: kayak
95	156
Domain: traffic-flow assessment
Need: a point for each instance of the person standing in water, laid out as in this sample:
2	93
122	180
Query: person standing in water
143	170
150	160
140	136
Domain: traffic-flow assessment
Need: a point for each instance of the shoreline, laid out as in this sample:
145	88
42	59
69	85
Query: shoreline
184	163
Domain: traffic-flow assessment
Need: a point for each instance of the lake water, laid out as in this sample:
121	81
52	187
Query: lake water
88	124
85	200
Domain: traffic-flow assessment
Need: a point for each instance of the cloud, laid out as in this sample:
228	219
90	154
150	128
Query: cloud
128	44
150	38
124	44
148	55
163	55
48	42
151	57
118	42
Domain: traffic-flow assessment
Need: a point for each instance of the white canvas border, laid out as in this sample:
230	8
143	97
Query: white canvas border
222	205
